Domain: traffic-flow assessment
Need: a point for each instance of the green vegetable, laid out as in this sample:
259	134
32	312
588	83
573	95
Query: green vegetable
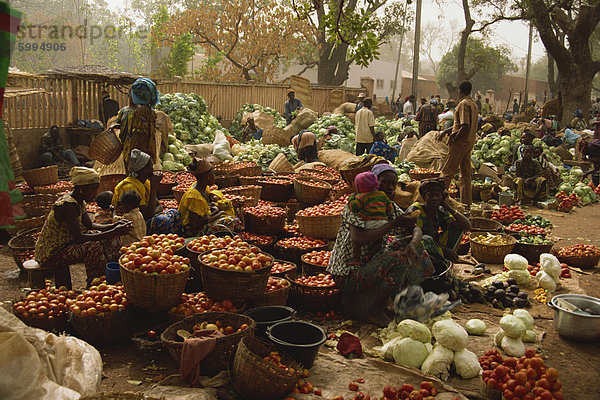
236	127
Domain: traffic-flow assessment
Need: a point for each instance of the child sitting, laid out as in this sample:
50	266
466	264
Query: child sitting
370	204
381	148
105	213
130	201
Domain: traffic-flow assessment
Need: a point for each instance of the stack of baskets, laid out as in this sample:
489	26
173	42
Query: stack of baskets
314	299
308	192
320	227
490	253
278	191
36	207
225	347
258	379
41	176
22	246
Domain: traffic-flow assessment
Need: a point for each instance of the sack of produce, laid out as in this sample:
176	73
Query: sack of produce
221	147
275	135
199	150
261	119
303	120
335	158
429	152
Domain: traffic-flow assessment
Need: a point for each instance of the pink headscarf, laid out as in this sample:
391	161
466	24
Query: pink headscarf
366	182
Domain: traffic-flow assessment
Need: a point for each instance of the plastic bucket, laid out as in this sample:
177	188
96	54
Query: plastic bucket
505	198
269	315
113	273
299	339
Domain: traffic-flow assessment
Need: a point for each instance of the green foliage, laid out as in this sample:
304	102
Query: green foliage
181	52
489	62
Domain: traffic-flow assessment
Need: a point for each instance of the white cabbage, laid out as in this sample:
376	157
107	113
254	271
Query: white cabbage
524	316
530	337
546	281
550	265
414	330
498	338
438	362
515	262
513	347
475	327
466	364
450	334
410	353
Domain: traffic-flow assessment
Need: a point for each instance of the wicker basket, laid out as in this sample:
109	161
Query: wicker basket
488	392
252	191
106	147
320	227
277	297
532	252
294	254
260	380
108	182
270	225
178	193
153	292
56	325
22	246
309	268
493	254
419	177
239	287
327	177
314	299
309	194
463	249
41	176
250	180
349	174
276	192
281	164
37	205
581	262
485	225
53	191
111	328
26	224
283	274
226	181
119	396
222	355
248	171
165	189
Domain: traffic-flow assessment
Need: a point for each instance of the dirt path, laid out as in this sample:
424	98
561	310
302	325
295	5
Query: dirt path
137	365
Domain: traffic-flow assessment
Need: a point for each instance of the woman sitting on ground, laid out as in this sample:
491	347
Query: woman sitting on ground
529	182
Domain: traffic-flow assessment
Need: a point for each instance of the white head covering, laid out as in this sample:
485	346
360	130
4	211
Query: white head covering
81	176
137	161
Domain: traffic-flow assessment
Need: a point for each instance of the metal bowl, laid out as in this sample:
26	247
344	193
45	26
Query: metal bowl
574	325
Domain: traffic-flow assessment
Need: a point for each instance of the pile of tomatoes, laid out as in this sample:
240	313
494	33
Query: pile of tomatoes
263	210
169	203
274	283
211	242
184	180
565	272
281	267
256	238
425	391
340	186
292	228
155	255
276	181
241	259
423	171
330	170
275	358
242	165
508	213
315	183
92	207
596	189
24	188
99	300
168	178
327	208
529	229
525	378
320	257
567	202
45	304
198	303
60	186
579	250
316	174
237	189
301	242
320	280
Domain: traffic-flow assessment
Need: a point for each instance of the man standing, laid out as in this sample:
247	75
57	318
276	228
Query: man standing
409	106
486	108
365	128
293	104
108	108
515	107
51	149
460	144
427	117
478	103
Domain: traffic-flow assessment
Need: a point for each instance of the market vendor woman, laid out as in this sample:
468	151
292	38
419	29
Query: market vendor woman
369	286
529	181
63	241
440	221
203	209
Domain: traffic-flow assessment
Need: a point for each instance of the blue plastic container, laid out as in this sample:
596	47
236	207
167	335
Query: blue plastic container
113	273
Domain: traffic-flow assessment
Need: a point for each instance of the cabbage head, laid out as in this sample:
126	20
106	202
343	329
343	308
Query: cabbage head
414	330
475	327
438	362
466	364
513	326
410	353
450	334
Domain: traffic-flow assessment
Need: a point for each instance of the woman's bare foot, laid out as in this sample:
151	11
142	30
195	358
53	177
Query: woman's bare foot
381	320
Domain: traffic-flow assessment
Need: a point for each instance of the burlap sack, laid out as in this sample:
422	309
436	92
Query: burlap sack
408	195
199	150
261	120
335	98
281	164
349	107
551	107
335	158
339	110
303	120
429	152
275	135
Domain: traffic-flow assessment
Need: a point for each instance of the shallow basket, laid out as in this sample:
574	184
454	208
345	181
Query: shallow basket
283	274
532	252
106	147
309	194
53	191
277	297
153	292
320	227
485	225
270	225
349	174
41	176
276	192
493	254
222	355
252	191
419	177
328	177
55	325
239	287
294	254
36	205
581	262
22	246
257	379
314	299
26	224
225	181
309	268
249	180
111	328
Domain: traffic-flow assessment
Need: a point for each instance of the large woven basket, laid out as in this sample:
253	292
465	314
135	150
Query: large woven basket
309	268
277	297
581	262
41	176
283	274
294	254
257	379
327	177
26	224
37	205
178	193
281	164
108	182
22	246
226	181
106	147
153	292
485	225
54	191
111	328
349	174
415	176
252	191
314	299
320	227
307	193
493	254
270	225
239	287
276	192
532	252
248	171
57	324
222	355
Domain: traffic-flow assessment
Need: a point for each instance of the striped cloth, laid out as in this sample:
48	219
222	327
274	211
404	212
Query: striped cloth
9	194
370	206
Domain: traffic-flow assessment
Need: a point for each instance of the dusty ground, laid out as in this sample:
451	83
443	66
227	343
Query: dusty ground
137	365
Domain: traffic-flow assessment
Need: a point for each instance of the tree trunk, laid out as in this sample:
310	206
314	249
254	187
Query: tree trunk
552	81
462	52
579	93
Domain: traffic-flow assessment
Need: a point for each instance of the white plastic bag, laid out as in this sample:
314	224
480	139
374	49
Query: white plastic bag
515	262
550	265
221	147
546	281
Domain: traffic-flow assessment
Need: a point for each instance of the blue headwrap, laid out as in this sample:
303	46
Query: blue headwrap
144	92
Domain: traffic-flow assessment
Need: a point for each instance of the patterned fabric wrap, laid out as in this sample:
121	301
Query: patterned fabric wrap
369	206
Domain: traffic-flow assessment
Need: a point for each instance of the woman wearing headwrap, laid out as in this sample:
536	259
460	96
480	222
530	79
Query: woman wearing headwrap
529	181
369	286
202	208
307	146
138	120
63	241
440	221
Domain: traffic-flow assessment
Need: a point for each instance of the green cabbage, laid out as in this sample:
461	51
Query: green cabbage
410	352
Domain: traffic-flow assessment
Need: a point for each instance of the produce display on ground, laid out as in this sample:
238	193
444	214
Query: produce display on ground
263	154
236	127
343	139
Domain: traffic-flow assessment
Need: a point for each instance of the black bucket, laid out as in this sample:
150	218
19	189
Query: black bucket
299	339
437	282
269	315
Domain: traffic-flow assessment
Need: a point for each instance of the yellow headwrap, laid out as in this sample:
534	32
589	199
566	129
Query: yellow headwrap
81	176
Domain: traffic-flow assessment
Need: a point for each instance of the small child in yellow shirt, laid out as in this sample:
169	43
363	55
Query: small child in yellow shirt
130	201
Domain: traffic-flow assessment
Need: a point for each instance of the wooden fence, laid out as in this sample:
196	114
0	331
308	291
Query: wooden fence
68	99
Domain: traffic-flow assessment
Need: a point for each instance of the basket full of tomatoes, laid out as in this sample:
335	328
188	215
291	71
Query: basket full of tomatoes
45	308
278	189
316	293
311	190
198	303
579	255
153	275
507	215
281	268
315	262
276	293
264	219
419	174
292	248
321	221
